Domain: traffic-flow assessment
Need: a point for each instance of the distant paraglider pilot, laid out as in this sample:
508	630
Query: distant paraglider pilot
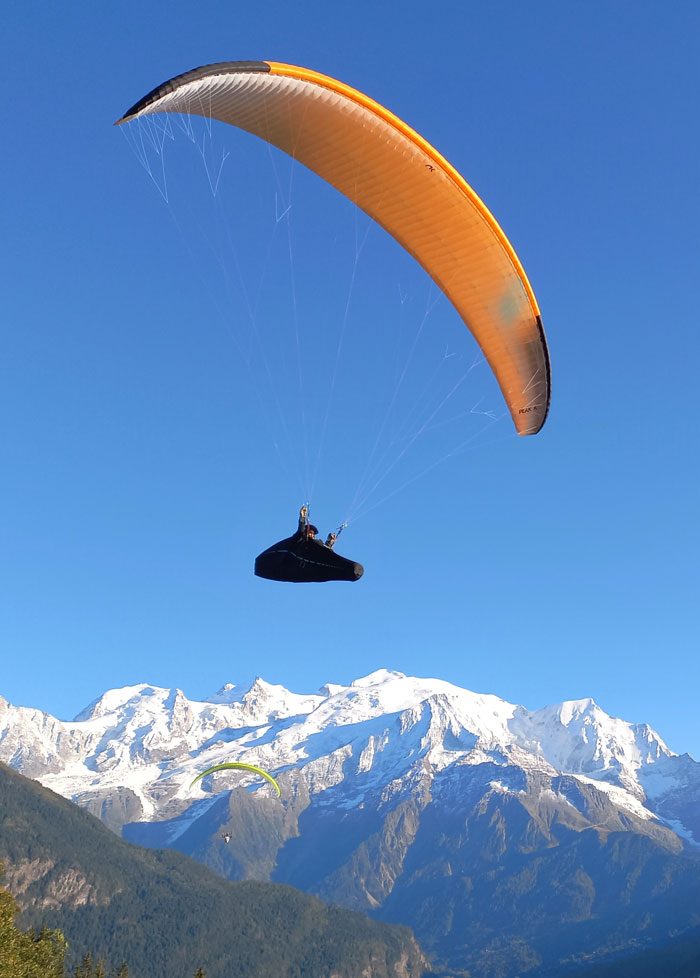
304	559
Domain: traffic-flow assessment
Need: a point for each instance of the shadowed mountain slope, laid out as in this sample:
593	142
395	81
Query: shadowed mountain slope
167	915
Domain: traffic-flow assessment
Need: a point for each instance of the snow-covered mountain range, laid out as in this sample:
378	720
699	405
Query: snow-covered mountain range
511	840
139	747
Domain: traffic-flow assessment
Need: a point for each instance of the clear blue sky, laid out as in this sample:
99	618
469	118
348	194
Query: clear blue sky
139	469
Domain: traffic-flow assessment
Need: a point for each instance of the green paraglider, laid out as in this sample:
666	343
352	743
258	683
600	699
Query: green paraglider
241	767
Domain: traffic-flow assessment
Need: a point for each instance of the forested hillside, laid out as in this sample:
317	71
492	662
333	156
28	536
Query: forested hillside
166	915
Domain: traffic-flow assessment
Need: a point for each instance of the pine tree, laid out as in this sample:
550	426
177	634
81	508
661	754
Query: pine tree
200	973
123	970
84	969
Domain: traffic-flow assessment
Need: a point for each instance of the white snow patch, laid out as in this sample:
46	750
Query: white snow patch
621	798
677	826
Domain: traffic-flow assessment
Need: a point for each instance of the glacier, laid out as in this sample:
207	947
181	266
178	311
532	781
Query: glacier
136	749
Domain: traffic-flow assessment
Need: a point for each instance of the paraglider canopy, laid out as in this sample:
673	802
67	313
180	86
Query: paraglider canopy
392	173
237	765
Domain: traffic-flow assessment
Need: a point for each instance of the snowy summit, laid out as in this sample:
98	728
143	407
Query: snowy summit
143	745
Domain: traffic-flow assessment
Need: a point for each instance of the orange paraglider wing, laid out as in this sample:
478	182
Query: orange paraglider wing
404	184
